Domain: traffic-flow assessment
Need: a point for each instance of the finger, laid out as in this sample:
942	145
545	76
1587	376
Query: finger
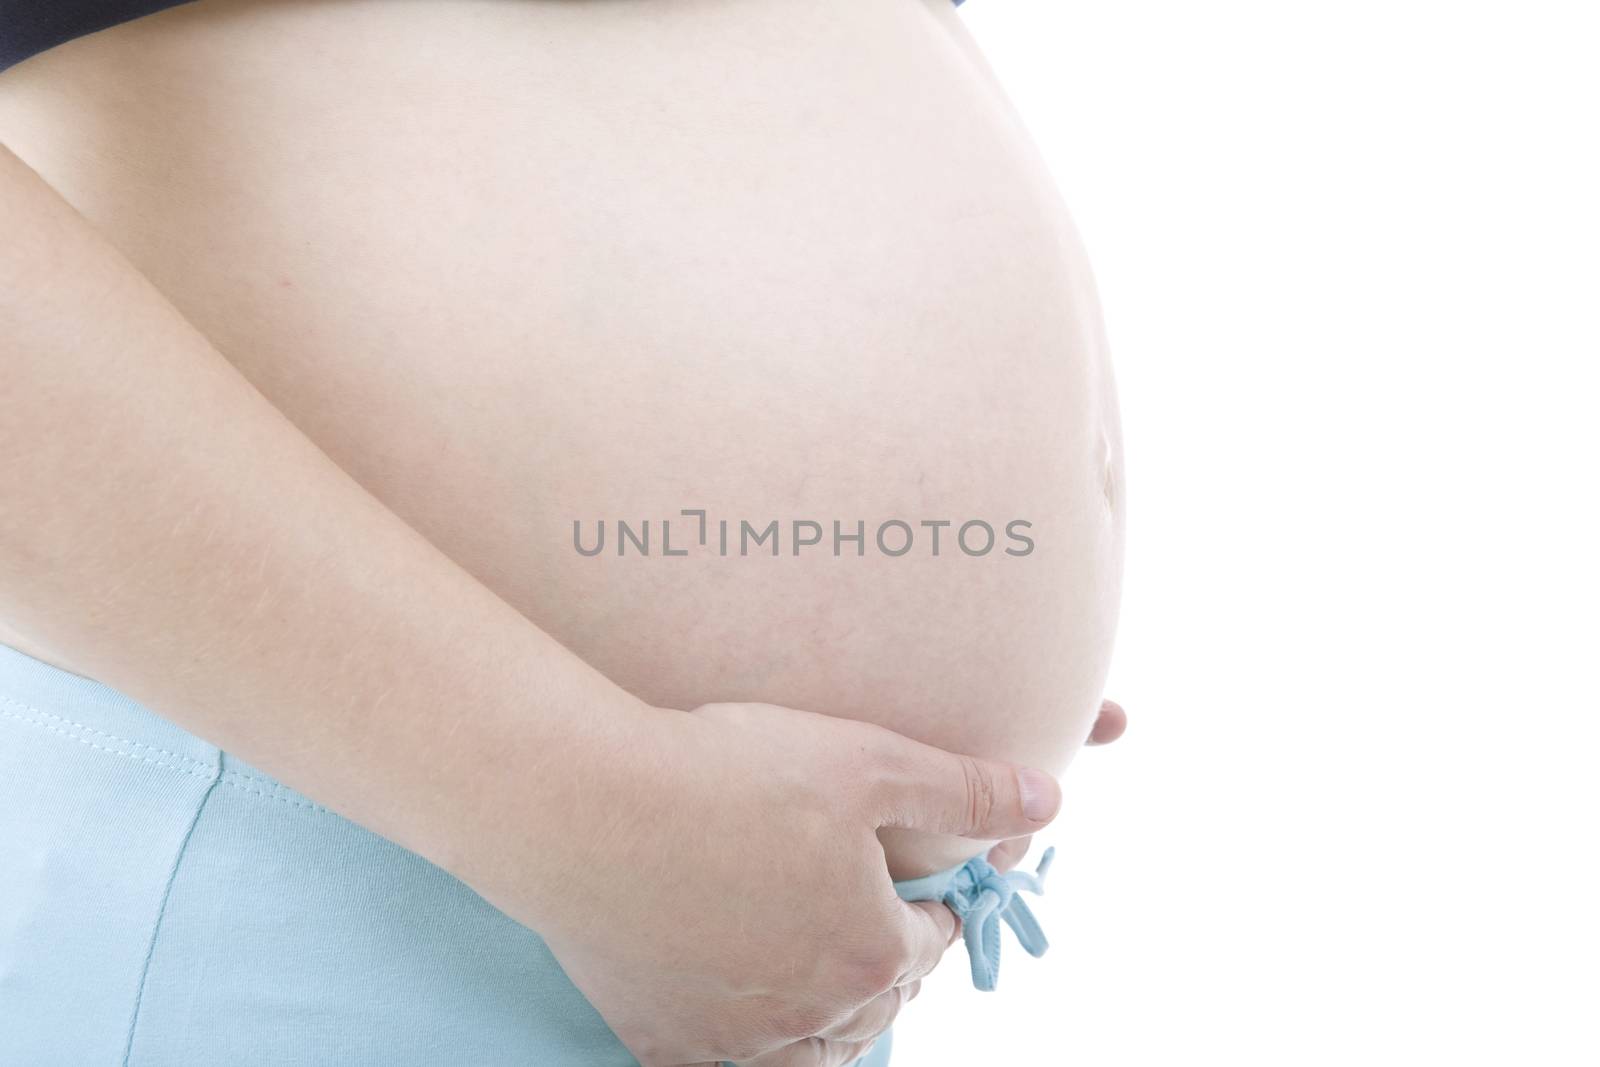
1007	854
841	1053
875	1016
1110	725
920	787
812	1052
929	929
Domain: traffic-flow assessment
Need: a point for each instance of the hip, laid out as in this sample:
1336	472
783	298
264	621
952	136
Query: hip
167	904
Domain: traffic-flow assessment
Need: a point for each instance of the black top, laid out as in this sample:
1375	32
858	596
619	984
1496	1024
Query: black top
28	27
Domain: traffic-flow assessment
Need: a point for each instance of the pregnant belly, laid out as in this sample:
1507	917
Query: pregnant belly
533	273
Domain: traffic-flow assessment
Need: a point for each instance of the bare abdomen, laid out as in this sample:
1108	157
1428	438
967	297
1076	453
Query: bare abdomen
784	261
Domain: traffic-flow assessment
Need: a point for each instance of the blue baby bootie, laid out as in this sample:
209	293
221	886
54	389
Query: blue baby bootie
982	897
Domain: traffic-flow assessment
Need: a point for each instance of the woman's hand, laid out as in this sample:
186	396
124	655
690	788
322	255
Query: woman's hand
845	1043
734	902
1005	856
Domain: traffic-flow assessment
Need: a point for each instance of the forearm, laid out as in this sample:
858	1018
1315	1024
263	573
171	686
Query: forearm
169	530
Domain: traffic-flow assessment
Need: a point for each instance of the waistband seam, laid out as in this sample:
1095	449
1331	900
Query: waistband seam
235	780
75	731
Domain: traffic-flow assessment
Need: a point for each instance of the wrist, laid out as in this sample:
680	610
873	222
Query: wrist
538	786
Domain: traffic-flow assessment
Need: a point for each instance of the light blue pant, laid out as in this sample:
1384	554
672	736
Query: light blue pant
164	904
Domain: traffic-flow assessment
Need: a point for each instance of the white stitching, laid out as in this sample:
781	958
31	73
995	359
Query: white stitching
115	752
228	777
86	728
189	766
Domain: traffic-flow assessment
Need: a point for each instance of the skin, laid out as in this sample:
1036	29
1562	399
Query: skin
182	540
300	522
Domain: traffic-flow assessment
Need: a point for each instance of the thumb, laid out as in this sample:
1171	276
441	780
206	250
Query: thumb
948	793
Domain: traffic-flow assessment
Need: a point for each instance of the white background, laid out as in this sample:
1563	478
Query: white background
1350	261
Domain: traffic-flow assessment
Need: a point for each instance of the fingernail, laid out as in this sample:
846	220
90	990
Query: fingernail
1040	795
